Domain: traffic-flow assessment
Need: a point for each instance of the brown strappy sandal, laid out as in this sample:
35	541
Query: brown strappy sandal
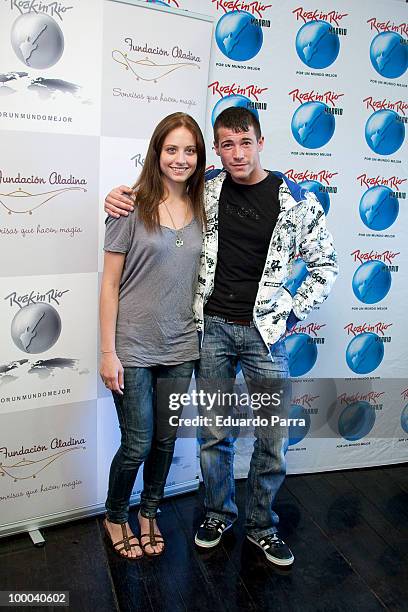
154	539
126	542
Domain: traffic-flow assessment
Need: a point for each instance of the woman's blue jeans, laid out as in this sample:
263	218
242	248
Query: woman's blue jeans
146	436
225	345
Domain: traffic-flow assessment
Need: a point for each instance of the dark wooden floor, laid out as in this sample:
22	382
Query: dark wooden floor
348	531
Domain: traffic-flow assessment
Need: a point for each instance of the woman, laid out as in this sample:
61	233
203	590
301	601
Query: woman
148	338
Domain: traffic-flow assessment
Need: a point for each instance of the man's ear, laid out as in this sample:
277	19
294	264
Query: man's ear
216	147
261	143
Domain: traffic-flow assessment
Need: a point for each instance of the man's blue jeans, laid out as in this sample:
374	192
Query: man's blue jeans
146	436
224	345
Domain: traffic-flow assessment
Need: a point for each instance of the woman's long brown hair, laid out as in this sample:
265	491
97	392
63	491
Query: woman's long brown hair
149	190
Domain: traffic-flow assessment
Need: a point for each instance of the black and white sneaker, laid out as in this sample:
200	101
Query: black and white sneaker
274	548
210	532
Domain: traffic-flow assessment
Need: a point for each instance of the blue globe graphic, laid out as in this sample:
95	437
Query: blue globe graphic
238	36
364	353
299	273
298	432
384	132
158	2
379	208
236	100
404	419
302	354
317	44
389	54
317	188
356	421
371	282
312	126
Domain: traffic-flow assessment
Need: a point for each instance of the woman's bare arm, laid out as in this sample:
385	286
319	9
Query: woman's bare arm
111	369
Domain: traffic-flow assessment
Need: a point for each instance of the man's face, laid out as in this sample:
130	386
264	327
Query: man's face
239	152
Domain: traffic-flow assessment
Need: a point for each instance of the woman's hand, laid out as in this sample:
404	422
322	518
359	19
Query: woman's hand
111	372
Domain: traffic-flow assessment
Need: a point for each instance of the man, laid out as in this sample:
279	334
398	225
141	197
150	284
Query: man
258	223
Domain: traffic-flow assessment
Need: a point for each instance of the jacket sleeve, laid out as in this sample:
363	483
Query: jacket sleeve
317	251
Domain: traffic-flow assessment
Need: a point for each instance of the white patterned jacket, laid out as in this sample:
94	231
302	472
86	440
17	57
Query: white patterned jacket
300	230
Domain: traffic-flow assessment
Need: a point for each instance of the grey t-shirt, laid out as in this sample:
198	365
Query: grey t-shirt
155	317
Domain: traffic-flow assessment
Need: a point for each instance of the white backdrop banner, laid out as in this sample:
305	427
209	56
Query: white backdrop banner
82	84
50	66
328	82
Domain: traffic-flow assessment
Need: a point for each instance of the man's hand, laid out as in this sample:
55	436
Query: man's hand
117	203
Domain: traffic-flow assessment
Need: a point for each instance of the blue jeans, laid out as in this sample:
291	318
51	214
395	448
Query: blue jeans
223	346
146	436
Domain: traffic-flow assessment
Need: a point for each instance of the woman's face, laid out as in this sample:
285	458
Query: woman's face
178	157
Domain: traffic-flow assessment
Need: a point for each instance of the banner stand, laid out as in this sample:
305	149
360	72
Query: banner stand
87	82
33	526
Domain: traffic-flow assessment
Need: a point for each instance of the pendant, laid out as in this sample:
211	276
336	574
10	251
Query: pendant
179	242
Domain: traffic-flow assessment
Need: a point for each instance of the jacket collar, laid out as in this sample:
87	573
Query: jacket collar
290	193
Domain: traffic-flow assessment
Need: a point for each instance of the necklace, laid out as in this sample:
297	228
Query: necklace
179	232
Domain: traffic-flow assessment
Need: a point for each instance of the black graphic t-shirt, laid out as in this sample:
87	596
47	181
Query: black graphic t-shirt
247	218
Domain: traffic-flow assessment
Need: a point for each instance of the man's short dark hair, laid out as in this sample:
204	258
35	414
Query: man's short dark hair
238	119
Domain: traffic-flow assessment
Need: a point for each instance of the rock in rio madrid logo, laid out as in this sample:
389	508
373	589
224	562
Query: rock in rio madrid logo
370	396
301	347
319	182
328	97
389	48
332	17
232	89
393	182
53	9
254	8
386	257
313	122
306	401
322	176
364	328
400	106
238	95
388	26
